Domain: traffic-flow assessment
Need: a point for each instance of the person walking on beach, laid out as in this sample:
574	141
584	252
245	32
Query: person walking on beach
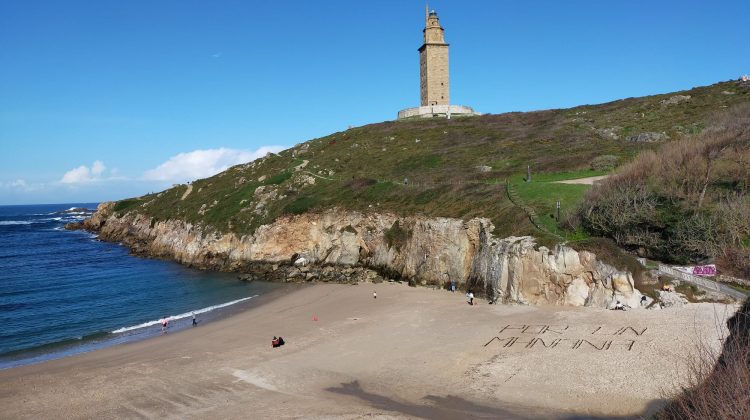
164	324
374	294
194	321
470	295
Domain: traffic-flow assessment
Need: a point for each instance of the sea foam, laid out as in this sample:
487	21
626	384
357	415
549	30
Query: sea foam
181	316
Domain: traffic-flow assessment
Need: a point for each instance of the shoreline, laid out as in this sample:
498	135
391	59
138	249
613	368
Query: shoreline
131	334
412	352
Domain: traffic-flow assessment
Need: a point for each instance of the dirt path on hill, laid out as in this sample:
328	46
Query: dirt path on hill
583	181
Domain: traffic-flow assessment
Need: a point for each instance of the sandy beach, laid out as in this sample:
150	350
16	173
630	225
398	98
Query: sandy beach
412	352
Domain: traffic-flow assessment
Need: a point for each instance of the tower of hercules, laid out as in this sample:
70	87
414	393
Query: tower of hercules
434	83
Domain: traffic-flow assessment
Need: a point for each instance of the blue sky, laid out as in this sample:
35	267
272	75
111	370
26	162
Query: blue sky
107	99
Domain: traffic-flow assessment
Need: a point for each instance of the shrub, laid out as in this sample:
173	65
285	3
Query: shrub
688	201
360	183
300	205
604	162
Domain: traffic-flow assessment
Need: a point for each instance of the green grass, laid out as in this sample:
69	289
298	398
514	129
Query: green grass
543	193
278	178
300	205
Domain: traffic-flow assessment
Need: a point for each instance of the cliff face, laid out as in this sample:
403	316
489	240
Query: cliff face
424	250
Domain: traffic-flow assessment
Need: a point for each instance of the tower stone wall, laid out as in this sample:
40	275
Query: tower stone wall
433	64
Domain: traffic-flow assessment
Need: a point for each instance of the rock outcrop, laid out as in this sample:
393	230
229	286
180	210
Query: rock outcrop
513	270
648	137
418	249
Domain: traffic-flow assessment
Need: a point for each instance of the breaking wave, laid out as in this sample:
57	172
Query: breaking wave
181	316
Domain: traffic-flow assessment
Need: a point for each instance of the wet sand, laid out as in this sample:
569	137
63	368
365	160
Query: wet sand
412	352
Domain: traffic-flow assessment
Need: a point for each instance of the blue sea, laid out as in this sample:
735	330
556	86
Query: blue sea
65	292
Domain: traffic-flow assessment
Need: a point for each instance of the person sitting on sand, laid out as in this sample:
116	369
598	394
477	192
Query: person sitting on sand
277	342
619	306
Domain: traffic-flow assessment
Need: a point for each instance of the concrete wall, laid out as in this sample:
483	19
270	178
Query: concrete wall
436	111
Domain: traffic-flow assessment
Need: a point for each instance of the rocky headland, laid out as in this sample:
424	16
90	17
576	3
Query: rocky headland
350	246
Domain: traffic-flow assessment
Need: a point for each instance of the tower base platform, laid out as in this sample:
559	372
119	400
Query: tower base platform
446	111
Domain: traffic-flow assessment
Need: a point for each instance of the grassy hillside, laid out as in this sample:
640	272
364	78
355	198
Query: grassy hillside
687	202
453	168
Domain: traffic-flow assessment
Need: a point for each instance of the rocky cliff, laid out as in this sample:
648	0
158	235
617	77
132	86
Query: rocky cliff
337	244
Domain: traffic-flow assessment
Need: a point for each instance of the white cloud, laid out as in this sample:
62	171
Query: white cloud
204	163
84	174
18	184
97	169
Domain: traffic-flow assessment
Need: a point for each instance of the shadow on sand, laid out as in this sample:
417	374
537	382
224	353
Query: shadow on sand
453	407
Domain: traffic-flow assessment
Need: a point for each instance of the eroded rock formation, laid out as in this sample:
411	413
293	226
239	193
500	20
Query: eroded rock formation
419	249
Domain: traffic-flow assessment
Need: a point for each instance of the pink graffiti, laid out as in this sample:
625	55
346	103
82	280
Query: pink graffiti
704	270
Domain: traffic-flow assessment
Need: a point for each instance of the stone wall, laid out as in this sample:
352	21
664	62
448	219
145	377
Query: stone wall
437	111
434	77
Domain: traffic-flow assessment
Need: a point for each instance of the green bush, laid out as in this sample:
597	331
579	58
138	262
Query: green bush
300	205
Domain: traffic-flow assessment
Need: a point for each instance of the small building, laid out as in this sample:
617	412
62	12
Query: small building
434	80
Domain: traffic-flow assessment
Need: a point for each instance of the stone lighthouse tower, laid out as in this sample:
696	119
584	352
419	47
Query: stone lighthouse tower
434	85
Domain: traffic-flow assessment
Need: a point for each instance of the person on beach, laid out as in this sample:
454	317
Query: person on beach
164	324
470	295
195	322
453	287
374	294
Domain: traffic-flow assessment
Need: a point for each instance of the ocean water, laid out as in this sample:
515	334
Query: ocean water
65	292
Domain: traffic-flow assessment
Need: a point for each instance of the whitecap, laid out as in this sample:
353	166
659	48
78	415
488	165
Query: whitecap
14	222
181	316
